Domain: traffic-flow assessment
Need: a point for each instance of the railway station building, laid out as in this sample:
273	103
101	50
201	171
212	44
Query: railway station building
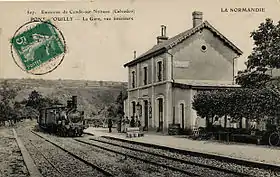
163	81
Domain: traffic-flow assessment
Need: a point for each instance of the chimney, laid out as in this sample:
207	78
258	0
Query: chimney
74	102
197	18
134	54
163	37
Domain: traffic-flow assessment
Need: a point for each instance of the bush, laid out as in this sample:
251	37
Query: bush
238	103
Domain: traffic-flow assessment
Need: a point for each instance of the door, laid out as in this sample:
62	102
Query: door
182	110
160	113
133	108
146	115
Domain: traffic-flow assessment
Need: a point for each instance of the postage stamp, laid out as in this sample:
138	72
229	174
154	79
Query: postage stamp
38	47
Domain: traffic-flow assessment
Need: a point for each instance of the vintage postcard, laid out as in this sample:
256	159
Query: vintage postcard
140	88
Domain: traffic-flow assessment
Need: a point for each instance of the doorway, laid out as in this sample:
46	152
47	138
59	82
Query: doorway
160	114
133	108
182	111
146	115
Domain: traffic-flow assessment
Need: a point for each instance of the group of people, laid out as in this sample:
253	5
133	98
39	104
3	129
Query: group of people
124	123
132	122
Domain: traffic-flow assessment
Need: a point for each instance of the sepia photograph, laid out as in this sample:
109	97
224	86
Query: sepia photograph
145	88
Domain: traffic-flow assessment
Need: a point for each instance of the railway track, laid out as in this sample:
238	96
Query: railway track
141	150
175	164
268	169
114	163
49	161
265	166
98	168
140	156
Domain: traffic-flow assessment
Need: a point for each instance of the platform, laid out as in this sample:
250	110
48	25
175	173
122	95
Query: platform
250	152
32	169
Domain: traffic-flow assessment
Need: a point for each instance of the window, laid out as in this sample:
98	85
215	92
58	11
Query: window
203	48
159	71
145	76
133	79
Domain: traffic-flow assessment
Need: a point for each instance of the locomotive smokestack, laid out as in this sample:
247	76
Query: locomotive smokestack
69	103
74	102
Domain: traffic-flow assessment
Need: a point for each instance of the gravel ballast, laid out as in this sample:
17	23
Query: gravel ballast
65	164
118	165
164	161
213	162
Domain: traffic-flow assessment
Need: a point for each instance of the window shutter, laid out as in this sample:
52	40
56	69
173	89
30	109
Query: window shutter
150	74
163	70
143	77
145	73
157	69
140	76
133	77
135	82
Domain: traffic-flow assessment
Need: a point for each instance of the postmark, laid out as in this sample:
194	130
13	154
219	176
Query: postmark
38	47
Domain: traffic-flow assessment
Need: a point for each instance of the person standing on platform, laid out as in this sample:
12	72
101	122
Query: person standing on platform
126	123
110	124
139	125
123	125
132	122
136	122
119	124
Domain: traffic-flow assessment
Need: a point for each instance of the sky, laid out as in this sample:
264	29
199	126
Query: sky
98	50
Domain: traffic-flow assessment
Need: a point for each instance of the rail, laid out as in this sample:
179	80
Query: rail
76	156
175	159
228	159
139	158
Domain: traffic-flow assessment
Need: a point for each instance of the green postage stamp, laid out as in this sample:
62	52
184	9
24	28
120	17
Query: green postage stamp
38	47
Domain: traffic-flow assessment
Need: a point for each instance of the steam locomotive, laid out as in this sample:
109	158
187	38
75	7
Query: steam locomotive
63	120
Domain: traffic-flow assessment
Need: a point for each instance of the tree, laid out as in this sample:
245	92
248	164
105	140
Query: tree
252	79
34	99
116	109
7	95
120	102
112	111
37	101
238	103
209	104
264	57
